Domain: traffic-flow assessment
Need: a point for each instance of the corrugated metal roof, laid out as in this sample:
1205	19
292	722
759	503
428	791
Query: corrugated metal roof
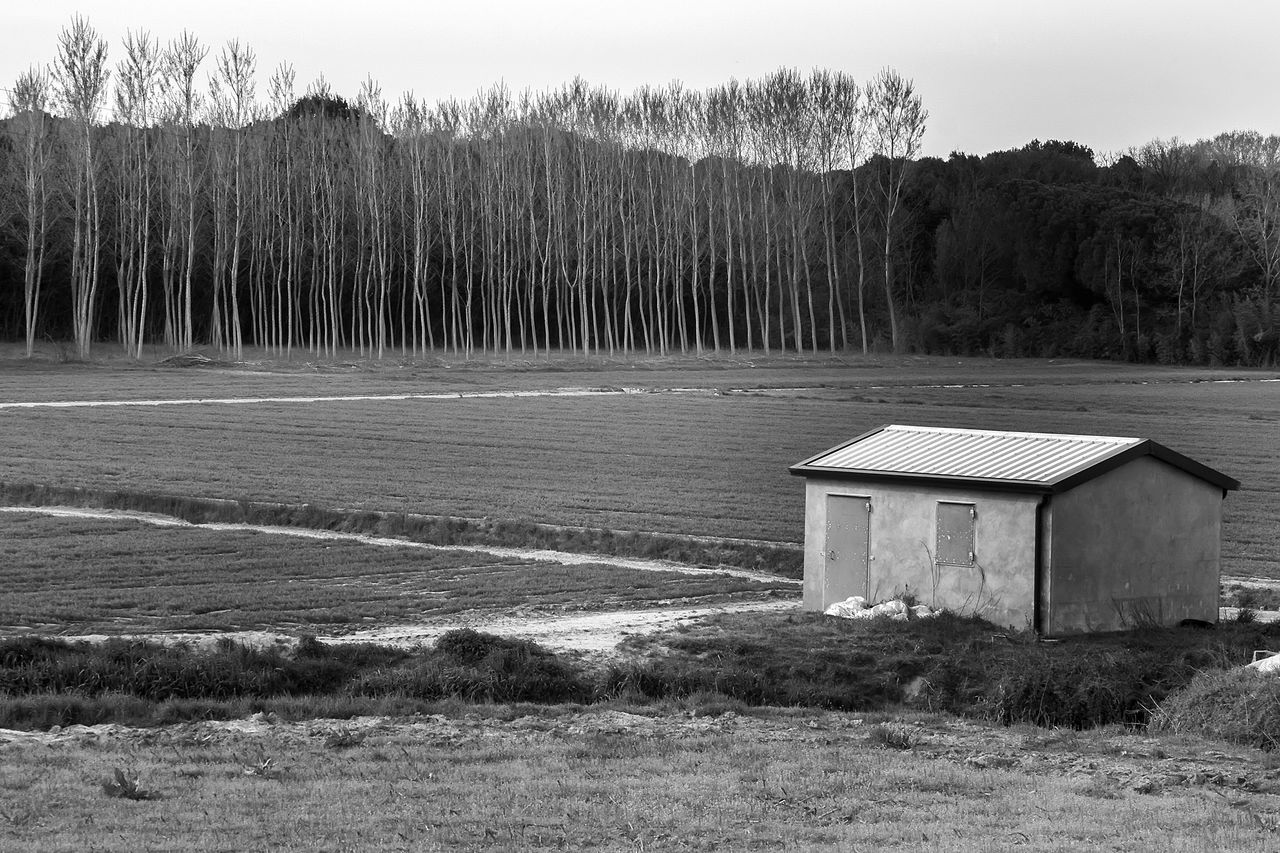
1016	457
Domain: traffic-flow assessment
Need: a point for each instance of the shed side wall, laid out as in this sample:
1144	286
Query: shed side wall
903	537
1138	545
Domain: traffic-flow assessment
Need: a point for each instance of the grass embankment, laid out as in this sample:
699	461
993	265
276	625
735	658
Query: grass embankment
960	665
783	560
963	666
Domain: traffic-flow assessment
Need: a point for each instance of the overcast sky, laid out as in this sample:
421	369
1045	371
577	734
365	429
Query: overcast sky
993	74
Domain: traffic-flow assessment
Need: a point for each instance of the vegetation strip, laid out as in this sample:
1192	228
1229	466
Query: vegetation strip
569	546
961	665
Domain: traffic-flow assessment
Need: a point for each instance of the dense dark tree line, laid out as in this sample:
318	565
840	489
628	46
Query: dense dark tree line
163	199
1168	254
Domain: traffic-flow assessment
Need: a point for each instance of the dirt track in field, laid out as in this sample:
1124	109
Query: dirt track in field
340	398
598	632
586	632
561	392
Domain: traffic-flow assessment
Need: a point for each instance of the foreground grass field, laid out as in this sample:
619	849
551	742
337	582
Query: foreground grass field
710	459
526	778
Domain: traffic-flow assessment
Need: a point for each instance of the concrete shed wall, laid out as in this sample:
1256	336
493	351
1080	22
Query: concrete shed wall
1138	544
903	540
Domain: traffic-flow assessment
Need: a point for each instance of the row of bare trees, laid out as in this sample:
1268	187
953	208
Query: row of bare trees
579	218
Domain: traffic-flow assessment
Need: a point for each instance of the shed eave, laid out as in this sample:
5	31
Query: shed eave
956	482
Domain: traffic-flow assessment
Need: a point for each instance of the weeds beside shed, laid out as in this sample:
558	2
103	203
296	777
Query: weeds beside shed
1063	533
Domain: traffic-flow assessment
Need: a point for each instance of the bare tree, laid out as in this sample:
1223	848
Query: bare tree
29	101
898	119
231	91
181	63
138	77
81	74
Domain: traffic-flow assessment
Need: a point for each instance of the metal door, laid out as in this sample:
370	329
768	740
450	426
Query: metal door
848	548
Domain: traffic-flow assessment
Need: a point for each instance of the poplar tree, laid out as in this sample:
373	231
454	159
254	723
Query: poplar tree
898	119
81	74
29	101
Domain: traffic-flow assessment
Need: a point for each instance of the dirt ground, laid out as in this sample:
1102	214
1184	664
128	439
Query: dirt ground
1109	761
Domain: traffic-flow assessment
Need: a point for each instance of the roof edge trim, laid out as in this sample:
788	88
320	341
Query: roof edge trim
985	484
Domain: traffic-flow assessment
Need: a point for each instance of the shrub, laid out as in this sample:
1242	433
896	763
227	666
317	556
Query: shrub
500	669
1078	692
23	651
896	736
1238	705
155	672
43	711
478	667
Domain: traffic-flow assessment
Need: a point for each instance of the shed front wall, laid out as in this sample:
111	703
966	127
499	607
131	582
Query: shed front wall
999	586
1138	545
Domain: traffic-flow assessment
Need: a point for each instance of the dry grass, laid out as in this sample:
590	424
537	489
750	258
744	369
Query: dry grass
68	575
611	781
1238	705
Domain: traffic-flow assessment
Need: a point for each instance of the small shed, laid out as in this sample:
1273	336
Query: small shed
1062	533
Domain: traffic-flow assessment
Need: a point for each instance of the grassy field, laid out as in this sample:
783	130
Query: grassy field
711	461
705	452
610	780
68	575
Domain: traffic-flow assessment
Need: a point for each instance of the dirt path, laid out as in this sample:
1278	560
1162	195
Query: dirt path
1106	764
555	392
346	398
598	633
593	632
586	632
